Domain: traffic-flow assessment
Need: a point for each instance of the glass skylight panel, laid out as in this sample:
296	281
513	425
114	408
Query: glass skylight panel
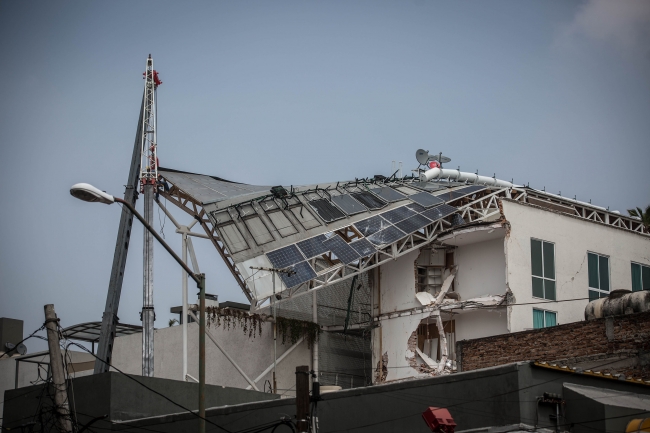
284	257
349	205
371	225
326	210
387	236
413	224
425	199
341	249
304	273
368	200
363	247
387	193
439	212
398	214
313	247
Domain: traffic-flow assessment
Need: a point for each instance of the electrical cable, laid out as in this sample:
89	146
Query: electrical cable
152	390
25	339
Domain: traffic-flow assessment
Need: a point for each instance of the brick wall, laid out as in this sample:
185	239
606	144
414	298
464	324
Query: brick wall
622	337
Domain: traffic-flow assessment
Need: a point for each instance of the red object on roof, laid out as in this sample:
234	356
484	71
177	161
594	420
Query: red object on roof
156	80
439	420
434	164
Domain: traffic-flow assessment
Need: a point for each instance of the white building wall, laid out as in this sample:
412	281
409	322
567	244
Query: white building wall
481	269
573	238
479	324
253	355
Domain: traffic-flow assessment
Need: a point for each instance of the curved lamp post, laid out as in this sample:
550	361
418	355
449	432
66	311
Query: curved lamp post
87	192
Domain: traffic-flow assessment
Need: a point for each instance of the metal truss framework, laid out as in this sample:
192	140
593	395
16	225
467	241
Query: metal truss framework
483	206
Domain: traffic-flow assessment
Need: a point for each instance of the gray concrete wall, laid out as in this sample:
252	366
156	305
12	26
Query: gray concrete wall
253	355
496	396
122	399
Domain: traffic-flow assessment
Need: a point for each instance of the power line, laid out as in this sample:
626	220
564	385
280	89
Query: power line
152	390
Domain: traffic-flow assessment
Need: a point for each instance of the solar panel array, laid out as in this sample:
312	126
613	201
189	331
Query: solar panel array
448	196
425	199
377	231
326	210
370	201
303	273
388	194
348	204
313	247
341	249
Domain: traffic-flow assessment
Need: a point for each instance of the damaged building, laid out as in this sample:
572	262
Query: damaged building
397	270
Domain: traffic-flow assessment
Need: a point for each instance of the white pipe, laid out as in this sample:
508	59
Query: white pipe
462	176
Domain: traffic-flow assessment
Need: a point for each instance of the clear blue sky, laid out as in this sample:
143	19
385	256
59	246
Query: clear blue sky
555	93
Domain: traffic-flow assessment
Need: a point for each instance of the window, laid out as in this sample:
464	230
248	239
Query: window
640	277
543	268
598	276
544	318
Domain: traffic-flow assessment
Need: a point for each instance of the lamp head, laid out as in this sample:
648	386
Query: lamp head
87	192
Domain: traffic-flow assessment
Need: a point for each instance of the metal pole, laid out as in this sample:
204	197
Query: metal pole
201	286
314	345
62	409
109	318
302	398
148	314
184	312
275	336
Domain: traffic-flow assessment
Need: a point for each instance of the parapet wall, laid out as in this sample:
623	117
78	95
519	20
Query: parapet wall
617	345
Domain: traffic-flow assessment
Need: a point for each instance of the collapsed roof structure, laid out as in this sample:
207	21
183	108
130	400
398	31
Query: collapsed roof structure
331	232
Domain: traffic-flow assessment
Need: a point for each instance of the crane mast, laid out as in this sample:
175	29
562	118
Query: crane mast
148	181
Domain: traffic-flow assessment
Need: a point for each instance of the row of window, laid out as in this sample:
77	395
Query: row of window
543	273
543	269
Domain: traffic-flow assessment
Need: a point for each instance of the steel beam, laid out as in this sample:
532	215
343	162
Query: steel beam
110	319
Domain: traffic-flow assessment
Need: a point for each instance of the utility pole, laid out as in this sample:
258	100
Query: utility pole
302	399
62	409
148	180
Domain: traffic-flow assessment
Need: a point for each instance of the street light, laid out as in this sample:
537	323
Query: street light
87	192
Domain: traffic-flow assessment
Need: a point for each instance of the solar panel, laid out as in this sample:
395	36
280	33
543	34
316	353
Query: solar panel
457	220
341	249
363	247
313	247
284	257
349	205
462	192
386	236
371	225
304	273
425	199
474	188
413	224
415	207
439	212
387	193
368	200
398	214
326	210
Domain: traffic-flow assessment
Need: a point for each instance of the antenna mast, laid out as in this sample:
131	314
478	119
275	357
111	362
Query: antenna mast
148	180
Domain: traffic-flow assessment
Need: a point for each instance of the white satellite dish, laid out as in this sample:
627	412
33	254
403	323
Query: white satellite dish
423	157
